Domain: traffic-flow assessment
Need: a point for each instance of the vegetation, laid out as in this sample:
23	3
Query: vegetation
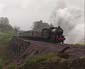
79	44
4	41
39	25
5	38
43	58
1	63
12	66
52	60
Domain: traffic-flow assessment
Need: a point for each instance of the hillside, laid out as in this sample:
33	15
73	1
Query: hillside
42	55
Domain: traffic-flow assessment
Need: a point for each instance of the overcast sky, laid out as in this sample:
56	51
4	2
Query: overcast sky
23	13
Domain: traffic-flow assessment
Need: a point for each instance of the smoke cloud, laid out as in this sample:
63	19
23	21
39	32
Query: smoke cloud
71	19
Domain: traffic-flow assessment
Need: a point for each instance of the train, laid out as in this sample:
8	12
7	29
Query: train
46	35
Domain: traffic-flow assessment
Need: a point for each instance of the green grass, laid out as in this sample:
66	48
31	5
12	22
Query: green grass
51	57
79	45
56	61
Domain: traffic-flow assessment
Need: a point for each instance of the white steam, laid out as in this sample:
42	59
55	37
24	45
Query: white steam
72	21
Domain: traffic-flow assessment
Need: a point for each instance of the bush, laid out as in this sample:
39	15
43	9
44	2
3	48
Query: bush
4	42
5	38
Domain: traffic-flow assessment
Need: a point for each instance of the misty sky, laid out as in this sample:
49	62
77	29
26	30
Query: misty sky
23	13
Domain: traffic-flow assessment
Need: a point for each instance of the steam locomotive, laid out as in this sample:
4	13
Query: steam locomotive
46	35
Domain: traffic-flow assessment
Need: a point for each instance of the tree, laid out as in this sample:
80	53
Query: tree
4	25
17	30
51	25
39	25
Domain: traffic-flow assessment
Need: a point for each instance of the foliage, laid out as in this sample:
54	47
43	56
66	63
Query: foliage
79	44
5	38
39	25
4	42
1	63
43	58
52	60
12	66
